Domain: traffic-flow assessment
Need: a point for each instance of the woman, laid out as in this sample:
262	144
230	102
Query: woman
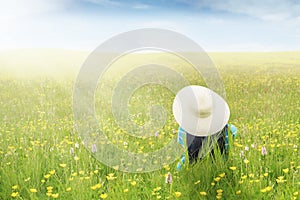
203	116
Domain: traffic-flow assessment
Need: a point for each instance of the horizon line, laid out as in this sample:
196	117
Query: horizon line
146	51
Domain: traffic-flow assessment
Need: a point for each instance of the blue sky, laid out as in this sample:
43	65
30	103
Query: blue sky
216	25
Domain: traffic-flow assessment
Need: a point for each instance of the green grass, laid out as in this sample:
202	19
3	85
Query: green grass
37	131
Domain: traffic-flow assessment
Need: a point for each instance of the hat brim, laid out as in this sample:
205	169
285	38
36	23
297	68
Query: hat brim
185	111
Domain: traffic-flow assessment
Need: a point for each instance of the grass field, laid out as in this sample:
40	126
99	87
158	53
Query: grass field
42	156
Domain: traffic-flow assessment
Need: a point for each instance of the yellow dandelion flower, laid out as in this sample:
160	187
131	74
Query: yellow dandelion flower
251	175
269	188
14	194
52	172
15	187
48	194
49	188
219	196
219	191
222	175
238	192
280	179
232	168
103	196
62	165
263	190
286	170
295	193
217	179
76	158
55	196
177	194
244	177
47	176
203	193
97	186
158	197
68	189
43	181
167	167
96	171
125	190
266	174
81	172
246	161
33	190
110	177
212	184
133	183
74	174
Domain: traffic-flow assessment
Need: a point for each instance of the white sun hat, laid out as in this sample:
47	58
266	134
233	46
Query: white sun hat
200	111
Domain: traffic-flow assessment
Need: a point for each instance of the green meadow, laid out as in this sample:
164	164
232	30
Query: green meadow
43	157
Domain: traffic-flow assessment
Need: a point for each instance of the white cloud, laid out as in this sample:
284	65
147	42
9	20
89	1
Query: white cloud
11	9
142	6
274	10
37	24
105	2
114	3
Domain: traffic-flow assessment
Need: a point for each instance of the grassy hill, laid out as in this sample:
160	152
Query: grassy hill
42	156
